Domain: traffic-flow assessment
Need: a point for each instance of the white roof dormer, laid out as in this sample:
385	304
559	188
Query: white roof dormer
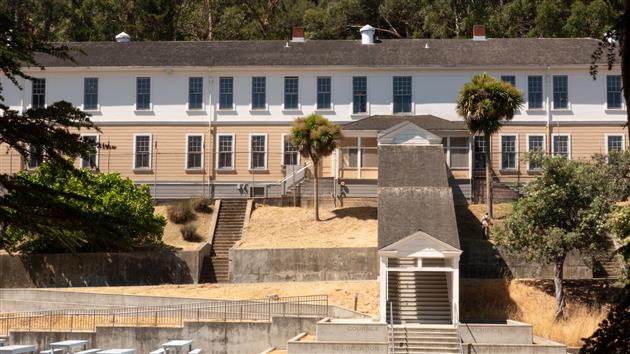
419	245
407	133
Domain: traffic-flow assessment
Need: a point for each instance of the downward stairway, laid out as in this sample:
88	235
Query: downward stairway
228	231
418	297
419	340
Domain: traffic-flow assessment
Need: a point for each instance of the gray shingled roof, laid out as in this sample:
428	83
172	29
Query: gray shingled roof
384	122
534	52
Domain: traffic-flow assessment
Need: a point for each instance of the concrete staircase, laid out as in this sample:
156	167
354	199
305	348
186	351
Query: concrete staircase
608	266
424	340
419	297
228	231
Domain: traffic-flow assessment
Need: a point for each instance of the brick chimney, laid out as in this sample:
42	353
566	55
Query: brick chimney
298	35
479	33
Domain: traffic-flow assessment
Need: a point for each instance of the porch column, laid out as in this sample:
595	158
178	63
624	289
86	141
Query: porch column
455	278
383	288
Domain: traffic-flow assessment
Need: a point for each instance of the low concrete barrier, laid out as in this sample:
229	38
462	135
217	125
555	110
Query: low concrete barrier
302	264
337	330
337	348
211	337
512	332
102	269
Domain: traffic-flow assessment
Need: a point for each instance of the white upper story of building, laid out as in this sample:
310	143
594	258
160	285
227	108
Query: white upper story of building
271	82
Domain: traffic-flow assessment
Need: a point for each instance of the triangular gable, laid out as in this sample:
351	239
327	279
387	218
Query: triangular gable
407	133
420	243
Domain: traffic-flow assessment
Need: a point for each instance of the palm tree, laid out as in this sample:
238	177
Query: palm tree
485	103
315	137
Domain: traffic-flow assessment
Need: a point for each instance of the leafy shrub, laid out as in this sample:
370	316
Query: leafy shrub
202	205
189	232
90	212
180	212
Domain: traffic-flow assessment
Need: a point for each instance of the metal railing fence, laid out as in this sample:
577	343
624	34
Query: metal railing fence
165	316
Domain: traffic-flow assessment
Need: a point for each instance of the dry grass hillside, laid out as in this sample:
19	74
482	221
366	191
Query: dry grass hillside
172	235
495	300
275	227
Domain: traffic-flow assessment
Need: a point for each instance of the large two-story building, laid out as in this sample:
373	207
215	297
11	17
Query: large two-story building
192	118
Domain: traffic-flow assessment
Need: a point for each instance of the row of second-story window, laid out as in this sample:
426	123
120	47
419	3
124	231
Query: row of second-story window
401	93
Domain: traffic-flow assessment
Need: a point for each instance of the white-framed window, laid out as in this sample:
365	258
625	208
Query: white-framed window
509	78
402	94
143	93
90	160
195	93
535	143
350	156
34	158
359	94
259	92
614	97
225	151
509	152
479	149
90	93
561	145
142	148
560	92
290	154
258	151
324	92
226	93
38	93
614	142
291	92
535	92
194	151
457	151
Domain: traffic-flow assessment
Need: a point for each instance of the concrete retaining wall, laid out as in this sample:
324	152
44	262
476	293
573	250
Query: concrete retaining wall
302	264
101	269
511	332
211	337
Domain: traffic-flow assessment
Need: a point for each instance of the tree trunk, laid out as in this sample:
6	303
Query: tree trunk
316	189
625	57
488	177
558	277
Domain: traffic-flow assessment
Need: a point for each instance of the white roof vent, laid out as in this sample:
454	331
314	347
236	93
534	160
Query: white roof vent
123	37
367	34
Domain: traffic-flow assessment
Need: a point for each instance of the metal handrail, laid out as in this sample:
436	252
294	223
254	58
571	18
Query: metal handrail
170	315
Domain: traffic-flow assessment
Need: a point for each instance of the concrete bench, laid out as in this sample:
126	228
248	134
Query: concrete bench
89	351
51	351
195	351
159	351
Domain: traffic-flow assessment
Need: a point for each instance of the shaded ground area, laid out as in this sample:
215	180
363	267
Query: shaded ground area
276	227
173	236
339	292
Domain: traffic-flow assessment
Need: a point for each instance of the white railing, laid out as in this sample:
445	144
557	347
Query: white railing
292	179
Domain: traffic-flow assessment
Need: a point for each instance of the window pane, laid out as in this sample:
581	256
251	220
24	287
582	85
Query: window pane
195	93
143	93
195	151
290	92
508	152
90	93
34	158
323	93
290	153
143	151
225	151
349	157
402	94
369	157
561	145
509	78
613	91
535	143
615	143
560	92
359	94
89	161
258	151
480	152
534	91
259	89
39	93
226	92
459	152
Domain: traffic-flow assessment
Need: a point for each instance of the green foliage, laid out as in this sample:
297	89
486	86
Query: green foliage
180	212
613	334
83	20
189	232
485	102
59	209
315	137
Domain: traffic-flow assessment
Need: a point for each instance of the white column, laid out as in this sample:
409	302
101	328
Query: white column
455	278
359	157
383	288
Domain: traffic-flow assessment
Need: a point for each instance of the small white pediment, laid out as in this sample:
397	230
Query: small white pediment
420	245
407	133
